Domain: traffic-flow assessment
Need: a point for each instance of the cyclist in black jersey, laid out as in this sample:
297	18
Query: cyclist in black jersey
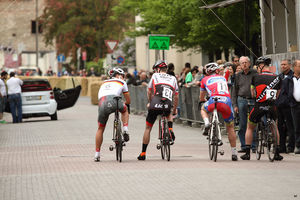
265	86
161	86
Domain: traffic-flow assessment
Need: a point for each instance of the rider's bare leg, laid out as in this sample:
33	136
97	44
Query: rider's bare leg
231	134
99	137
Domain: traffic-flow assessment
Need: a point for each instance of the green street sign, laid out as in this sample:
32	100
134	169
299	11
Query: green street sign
159	42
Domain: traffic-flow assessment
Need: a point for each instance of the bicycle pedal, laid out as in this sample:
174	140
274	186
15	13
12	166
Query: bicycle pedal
221	152
158	146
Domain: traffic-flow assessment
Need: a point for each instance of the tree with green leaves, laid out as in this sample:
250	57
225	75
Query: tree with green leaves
82	23
194	27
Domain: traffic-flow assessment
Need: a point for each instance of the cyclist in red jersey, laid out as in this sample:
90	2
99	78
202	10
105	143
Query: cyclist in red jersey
266	86
216	86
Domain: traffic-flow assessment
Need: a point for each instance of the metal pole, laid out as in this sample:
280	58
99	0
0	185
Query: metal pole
263	30
297	23
246	26
36	33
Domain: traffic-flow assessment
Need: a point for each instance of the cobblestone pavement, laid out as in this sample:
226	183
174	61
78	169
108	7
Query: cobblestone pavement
44	159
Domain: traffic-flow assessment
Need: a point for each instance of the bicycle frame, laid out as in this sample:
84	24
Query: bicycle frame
215	120
163	136
117	134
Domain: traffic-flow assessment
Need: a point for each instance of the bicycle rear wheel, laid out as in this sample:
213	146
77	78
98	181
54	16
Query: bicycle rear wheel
119	142
166	139
259	141
210	144
272	140
215	142
161	135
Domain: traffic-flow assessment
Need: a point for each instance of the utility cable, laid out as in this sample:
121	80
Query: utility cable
230	29
7	6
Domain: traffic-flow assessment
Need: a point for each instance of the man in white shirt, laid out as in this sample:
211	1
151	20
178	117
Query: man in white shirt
14	97
2	95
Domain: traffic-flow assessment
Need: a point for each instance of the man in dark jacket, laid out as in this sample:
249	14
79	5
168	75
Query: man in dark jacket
285	120
291	87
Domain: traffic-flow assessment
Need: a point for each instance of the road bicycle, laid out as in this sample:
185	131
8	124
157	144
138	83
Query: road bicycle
214	134
266	136
164	135
117	134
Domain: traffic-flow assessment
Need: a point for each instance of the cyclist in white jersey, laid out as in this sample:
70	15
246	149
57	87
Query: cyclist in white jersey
116	86
161	86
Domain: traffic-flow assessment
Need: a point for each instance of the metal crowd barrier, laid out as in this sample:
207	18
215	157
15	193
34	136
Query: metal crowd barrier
187	105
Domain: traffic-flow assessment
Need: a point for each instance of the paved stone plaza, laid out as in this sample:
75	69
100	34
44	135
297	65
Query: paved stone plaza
44	159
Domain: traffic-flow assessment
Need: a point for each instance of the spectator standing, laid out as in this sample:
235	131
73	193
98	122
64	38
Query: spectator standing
14	97
235	59
2	95
190	77
230	75
285	120
92	72
49	71
185	71
143	80
242	98
39	71
291	85
171	69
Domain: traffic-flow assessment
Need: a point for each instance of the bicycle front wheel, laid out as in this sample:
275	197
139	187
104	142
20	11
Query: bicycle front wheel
259	141
272	140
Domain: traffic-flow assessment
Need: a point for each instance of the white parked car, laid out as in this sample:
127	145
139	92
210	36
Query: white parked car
39	99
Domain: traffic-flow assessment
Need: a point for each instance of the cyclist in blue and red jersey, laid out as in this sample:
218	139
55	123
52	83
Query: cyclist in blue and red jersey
216	86
266	85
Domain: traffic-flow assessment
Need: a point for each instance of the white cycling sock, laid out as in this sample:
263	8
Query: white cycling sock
234	151
97	154
125	128
206	121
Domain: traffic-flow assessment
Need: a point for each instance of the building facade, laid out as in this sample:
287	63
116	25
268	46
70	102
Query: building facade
280	29
18	36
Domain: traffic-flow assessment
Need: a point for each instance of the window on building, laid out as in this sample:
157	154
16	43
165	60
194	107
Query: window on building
33	28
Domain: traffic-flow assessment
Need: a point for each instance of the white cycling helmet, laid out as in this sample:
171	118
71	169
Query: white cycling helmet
116	70
211	67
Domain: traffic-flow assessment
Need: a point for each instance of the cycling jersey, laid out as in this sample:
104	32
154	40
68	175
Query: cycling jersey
107	104
163	86
113	86
266	85
215	85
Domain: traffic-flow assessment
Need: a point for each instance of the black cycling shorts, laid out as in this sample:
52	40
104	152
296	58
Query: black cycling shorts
158	107
259	110
108	105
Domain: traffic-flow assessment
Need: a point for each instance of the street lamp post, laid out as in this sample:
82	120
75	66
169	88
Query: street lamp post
36	34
